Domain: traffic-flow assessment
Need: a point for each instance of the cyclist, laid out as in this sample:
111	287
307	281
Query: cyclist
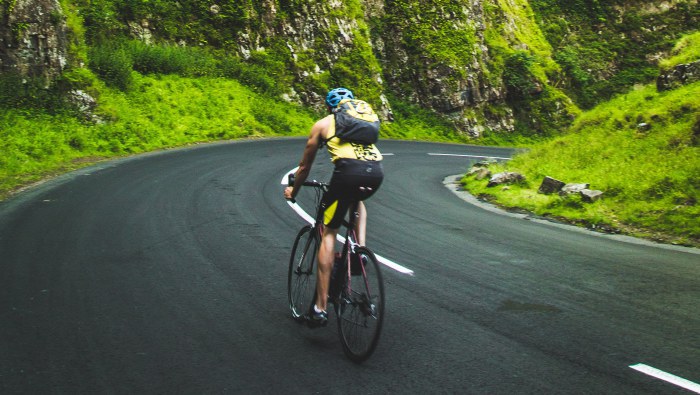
357	175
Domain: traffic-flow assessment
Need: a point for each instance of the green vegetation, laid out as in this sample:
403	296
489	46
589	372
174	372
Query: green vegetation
605	47
114	61
77	48
202	31
650	177
414	123
433	37
426	31
687	50
522	58
197	79
159	111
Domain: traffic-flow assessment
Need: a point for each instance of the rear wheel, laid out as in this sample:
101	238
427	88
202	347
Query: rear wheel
301	280
361	309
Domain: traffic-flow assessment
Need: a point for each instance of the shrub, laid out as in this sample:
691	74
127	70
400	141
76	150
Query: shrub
112	64
687	50
17	91
518	77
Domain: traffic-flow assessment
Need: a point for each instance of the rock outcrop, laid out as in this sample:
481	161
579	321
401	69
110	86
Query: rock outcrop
463	59
505	178
681	74
33	39
374	44
551	185
318	35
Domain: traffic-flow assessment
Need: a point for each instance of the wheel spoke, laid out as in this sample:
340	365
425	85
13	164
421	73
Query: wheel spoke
301	278
362	311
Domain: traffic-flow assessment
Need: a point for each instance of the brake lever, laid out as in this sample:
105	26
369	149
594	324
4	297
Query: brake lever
290	183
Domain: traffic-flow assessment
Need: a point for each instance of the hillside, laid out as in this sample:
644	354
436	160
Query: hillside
157	112
641	149
83	80
497	68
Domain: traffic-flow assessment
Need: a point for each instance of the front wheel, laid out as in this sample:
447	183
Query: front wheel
361	308
301	279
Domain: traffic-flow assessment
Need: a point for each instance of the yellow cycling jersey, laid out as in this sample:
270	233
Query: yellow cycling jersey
338	148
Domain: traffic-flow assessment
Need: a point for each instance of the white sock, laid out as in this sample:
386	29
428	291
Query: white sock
316	309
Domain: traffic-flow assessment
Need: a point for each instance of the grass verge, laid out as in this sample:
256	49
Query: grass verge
157	112
160	111
642	149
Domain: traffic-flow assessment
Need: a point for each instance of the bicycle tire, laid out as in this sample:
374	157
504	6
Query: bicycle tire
301	279
361	310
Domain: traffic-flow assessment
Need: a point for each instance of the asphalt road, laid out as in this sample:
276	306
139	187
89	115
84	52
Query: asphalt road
166	273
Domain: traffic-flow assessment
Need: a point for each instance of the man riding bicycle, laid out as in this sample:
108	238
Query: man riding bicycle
357	175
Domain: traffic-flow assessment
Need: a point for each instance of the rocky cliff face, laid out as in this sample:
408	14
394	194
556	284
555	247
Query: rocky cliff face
32	38
678	76
435	56
483	64
316	36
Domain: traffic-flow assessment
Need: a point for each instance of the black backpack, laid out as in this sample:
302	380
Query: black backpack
356	122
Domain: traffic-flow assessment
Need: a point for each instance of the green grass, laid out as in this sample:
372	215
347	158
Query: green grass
651	178
686	50
162	111
157	112
160	96
603	47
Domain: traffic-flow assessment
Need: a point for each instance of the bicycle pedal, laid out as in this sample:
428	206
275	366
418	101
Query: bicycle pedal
319	320
367	309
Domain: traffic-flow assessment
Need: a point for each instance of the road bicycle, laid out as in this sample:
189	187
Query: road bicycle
356	288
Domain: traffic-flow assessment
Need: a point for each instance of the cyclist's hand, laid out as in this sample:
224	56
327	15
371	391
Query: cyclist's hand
288	193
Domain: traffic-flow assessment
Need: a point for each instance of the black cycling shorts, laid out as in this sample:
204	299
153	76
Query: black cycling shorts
353	180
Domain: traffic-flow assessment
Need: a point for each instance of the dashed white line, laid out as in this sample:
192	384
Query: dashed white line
303	214
668	377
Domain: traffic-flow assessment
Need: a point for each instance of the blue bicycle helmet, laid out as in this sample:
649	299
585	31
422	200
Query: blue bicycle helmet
336	95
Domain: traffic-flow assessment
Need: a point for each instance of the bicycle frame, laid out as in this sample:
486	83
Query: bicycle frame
350	243
360	308
349	249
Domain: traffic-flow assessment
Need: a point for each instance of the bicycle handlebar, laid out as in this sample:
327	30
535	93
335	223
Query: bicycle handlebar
315	183
312	183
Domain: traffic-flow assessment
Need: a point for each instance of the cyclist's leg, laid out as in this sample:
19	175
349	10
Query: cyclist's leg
366	187
325	265
333	207
361	223
348	184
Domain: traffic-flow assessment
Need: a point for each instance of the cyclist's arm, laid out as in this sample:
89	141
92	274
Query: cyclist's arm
307	159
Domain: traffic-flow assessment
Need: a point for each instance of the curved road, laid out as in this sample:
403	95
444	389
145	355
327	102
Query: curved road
166	273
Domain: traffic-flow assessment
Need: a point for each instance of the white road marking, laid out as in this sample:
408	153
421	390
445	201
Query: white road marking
668	377
468	156
393	265
303	214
